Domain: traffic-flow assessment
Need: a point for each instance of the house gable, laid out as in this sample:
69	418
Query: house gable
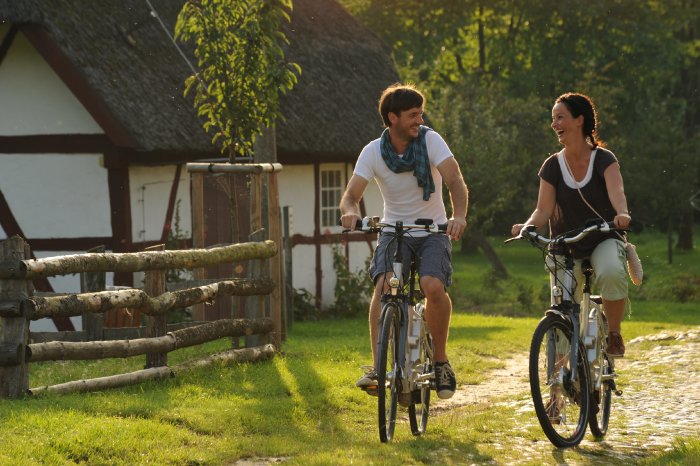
34	98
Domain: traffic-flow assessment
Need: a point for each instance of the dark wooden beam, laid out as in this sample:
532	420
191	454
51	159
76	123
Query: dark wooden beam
54	144
12	228
120	213
7	41
168	223
78	85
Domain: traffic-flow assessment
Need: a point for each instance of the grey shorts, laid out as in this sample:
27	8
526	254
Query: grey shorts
434	253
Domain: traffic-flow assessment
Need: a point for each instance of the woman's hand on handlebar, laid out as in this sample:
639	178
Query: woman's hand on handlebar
517	228
622	221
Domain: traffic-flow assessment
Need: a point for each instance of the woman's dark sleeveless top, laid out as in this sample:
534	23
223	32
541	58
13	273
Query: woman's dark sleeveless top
571	212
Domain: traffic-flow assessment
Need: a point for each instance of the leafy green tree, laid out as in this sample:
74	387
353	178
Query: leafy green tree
242	70
485	61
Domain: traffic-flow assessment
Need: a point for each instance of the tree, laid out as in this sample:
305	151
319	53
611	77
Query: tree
242	70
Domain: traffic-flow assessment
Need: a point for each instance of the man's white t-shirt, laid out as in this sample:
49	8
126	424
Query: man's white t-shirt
403	198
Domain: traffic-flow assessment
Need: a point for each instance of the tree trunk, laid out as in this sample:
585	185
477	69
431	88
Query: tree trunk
669	242
685	231
469	244
478	238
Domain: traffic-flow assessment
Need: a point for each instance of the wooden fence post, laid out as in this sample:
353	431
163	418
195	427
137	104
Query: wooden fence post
154	285
93	281
254	305
287	240
198	231
14	326
280	332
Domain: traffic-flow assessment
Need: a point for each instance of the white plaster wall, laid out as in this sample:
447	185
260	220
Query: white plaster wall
150	191
296	189
296	183
57	195
33	99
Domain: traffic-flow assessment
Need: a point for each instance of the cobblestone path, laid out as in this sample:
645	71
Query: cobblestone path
660	404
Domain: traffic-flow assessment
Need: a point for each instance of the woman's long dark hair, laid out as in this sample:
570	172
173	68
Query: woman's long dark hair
580	104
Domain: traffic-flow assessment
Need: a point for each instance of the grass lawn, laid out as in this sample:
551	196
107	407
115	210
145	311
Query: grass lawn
302	405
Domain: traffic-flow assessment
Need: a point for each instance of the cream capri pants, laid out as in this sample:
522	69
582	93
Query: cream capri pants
609	261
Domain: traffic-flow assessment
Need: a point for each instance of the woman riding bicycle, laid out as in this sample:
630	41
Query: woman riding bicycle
581	182
409	162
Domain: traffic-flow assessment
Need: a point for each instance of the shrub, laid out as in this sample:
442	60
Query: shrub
352	290
304	305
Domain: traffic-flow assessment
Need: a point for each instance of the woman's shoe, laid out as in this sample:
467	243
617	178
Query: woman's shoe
616	347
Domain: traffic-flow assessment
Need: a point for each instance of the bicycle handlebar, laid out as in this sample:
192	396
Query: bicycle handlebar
528	232
373	225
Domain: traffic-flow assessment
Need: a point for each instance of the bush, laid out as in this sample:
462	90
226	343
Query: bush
304	305
352	290
686	287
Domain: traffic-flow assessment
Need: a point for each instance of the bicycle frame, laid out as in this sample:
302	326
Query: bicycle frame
406	299
563	303
585	376
403	335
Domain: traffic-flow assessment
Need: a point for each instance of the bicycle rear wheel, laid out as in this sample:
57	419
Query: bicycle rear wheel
388	379
561	405
419	409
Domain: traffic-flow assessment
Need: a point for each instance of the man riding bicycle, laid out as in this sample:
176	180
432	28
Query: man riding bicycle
409	162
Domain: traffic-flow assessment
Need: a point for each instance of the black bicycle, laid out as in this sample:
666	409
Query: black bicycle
568	395
404	346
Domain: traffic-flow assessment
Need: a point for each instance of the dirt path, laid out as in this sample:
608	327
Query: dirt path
657	407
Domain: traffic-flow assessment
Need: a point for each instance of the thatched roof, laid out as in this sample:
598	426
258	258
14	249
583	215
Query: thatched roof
138	81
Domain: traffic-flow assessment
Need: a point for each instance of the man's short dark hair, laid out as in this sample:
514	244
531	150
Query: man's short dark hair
398	98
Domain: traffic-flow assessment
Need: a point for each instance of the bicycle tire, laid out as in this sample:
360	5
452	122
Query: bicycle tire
419	409
600	403
388	376
562	407
599	417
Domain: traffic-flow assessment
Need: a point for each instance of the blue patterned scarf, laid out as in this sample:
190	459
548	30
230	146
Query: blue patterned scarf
415	158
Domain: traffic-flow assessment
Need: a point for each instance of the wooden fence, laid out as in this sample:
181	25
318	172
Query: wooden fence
19	305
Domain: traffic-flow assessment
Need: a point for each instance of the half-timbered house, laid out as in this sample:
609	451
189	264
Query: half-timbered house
95	130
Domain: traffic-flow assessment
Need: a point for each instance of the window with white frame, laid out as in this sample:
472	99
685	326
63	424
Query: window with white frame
331	191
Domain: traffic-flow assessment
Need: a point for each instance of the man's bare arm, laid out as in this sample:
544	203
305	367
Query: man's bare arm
350	202
459	197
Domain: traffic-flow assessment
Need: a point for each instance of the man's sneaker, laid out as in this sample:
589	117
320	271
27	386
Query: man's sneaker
616	347
369	380
445	382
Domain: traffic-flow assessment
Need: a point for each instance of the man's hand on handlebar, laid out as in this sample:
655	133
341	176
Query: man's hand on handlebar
350	220
456	227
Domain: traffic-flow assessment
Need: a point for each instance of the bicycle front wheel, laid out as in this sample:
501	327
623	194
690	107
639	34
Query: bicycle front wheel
602	376
600	406
419	408
388	381
561	404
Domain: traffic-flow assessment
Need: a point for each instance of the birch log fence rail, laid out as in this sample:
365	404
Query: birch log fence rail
19	305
